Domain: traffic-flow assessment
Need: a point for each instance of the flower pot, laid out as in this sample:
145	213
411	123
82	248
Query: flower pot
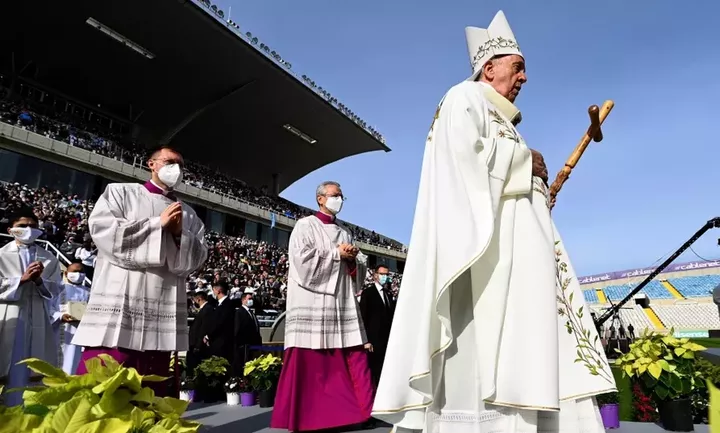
247	399
267	398
610	414
233	398
187	395
676	415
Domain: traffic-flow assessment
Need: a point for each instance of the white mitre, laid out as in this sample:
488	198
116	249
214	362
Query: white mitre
484	44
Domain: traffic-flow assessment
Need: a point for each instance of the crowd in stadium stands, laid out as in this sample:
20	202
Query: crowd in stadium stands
62	126
243	262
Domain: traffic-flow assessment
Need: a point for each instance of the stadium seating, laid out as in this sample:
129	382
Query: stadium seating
655	290
631	315
689	316
616	293
591	296
696	286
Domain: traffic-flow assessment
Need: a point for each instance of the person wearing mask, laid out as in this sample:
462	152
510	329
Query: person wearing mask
87	255
325	338
29	278
247	329
198	348
148	243
377	308
65	325
220	334
490	286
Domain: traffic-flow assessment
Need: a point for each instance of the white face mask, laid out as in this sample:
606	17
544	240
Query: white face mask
250	303
76	277
334	204
25	235
170	175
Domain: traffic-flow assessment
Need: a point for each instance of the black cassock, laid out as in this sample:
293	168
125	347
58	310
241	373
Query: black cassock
377	309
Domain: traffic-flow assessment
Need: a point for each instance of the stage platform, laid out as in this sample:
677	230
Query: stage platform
221	418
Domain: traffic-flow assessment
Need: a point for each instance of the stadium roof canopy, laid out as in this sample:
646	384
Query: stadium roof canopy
185	77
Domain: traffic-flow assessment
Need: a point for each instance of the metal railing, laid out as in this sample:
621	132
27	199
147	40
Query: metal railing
48	246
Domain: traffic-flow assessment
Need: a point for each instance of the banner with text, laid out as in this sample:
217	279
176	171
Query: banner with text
630	273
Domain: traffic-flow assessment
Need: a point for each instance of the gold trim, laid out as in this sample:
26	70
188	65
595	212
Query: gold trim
588	394
520	406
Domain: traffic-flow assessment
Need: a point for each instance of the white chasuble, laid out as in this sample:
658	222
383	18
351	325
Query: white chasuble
322	312
25	329
489	333
138	300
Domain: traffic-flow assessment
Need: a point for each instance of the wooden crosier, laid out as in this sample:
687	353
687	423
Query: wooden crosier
593	133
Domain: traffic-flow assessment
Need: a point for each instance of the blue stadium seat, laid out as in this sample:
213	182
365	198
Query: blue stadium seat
700	286
654	290
591	296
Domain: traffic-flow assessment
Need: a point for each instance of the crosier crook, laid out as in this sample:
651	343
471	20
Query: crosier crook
593	133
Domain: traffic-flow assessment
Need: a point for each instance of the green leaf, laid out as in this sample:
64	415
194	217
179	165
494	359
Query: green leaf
72	415
108	425
41	367
154	378
112	365
146	395
114	403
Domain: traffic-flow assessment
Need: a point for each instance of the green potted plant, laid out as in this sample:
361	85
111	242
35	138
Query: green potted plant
264	373
109	398
210	376
665	367
609	409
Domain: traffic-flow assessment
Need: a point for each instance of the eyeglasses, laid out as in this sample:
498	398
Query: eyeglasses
171	161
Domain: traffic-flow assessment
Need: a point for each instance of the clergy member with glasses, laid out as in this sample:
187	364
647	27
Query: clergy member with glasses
325	381
30	280
148	243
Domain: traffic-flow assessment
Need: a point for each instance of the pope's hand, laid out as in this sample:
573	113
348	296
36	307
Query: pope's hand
538	168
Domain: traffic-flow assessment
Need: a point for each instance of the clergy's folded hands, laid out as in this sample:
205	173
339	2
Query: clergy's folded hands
171	219
347	251
33	273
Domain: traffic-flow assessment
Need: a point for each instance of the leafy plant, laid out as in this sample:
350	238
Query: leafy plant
607	398
663	365
237	385
263	371
212	371
644	409
109	398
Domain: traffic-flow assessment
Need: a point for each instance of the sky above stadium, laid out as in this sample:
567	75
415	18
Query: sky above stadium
633	198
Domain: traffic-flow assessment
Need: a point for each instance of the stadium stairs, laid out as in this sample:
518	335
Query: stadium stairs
654	319
673	291
601	296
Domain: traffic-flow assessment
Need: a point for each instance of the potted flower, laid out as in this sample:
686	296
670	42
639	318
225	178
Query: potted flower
232	391
609	409
245	391
187	389
665	368
264	373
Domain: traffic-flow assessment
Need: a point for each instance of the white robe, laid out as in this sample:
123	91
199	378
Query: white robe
322	312
69	353
138	300
491	333
25	330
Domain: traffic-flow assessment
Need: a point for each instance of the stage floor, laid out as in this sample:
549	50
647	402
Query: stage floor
221	418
